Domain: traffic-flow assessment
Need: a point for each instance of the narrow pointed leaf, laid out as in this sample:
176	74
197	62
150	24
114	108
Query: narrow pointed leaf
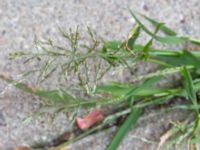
164	28
181	58
166	39
191	93
134	34
129	123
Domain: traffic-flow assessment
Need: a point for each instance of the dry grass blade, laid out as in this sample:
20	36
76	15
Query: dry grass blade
165	137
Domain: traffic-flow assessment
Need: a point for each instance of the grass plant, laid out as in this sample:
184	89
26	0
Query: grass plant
89	63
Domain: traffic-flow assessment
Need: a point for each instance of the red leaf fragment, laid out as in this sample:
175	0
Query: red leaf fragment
91	119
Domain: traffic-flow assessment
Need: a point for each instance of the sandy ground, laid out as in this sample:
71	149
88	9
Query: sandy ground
20	20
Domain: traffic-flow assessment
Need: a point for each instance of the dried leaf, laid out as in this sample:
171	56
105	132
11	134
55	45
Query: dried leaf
91	119
164	138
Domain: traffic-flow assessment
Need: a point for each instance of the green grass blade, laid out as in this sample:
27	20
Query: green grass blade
149	44
166	39
187	107
189	86
171	37
154	101
143	89
163	28
56	96
52	95
116	89
194	40
191	94
181	58
165	52
134	34
129	123
112	45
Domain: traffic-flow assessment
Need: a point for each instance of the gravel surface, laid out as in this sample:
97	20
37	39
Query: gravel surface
20	20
